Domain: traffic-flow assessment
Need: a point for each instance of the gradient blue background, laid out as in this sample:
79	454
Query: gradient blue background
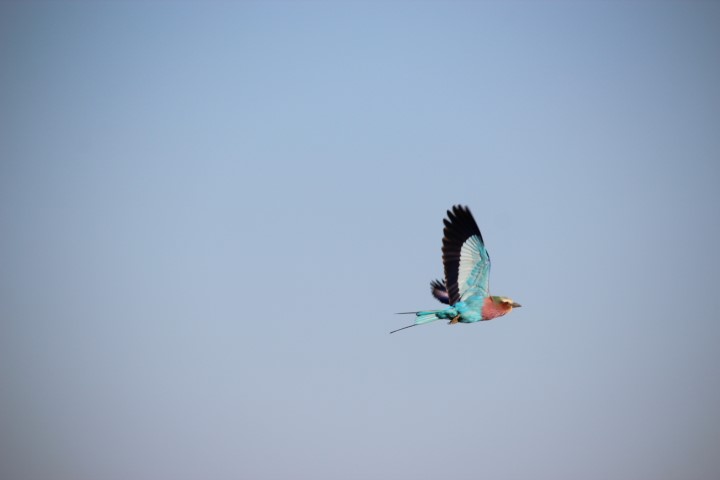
210	211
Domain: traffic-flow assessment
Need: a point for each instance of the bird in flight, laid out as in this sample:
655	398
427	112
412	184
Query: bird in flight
467	268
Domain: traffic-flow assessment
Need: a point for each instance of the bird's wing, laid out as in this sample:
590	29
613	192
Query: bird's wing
466	261
437	287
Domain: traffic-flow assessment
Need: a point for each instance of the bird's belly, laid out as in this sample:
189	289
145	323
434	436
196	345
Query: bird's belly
461	312
469	312
470	317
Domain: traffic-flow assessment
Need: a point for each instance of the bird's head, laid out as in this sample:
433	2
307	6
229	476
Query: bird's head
505	303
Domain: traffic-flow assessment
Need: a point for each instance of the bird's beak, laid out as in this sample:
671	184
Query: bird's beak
516	305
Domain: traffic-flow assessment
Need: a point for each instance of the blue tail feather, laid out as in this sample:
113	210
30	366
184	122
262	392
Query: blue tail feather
422	318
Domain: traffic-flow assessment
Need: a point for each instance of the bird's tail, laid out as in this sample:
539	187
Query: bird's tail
421	318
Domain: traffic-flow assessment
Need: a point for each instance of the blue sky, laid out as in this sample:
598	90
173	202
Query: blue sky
210	212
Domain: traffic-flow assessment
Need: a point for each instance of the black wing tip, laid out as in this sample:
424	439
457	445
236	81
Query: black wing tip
459	209
461	219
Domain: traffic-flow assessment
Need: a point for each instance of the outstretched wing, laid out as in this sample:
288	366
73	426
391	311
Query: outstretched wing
437	287
466	261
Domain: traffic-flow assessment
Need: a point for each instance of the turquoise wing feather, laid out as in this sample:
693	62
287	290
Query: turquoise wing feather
466	261
474	270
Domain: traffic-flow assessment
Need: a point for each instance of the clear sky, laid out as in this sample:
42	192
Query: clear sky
209	213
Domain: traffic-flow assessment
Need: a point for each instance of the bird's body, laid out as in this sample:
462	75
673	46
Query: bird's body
467	268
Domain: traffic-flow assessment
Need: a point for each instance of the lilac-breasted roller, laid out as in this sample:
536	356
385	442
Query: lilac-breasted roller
467	268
